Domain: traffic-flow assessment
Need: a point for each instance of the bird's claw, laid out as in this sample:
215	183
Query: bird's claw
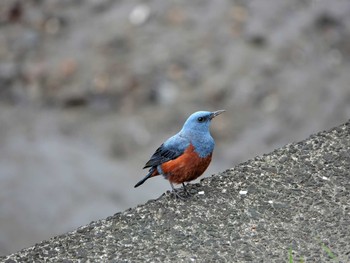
178	196
185	194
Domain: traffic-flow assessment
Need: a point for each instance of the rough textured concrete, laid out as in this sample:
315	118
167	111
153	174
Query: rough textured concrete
296	197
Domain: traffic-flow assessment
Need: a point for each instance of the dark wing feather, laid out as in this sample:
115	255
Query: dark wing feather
164	154
169	150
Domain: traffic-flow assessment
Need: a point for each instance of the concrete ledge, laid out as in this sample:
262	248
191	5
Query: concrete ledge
295	197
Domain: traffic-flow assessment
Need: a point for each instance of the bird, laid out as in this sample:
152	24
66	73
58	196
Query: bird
186	155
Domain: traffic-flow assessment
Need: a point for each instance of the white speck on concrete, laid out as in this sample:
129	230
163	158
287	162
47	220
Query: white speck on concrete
139	15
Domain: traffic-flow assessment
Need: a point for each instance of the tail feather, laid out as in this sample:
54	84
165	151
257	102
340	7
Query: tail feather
149	175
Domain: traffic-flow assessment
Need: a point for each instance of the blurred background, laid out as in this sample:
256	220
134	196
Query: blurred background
89	89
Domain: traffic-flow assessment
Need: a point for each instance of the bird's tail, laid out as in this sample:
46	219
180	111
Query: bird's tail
149	175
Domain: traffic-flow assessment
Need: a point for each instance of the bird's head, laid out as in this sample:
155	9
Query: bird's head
200	121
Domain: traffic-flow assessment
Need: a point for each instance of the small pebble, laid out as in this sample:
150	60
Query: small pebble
139	15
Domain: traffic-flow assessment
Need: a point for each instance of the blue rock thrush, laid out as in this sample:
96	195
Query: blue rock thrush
185	156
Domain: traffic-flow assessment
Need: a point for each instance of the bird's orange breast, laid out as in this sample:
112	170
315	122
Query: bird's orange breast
187	167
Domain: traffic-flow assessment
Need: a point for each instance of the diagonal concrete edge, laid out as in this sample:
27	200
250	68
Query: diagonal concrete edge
293	199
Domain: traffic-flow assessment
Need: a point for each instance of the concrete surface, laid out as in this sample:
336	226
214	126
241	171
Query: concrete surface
296	197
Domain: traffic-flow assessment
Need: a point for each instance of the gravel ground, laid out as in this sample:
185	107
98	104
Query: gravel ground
89	89
296	197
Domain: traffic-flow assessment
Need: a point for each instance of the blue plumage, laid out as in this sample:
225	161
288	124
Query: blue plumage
196	130
195	135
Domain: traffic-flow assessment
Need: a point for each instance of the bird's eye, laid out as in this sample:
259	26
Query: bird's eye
201	119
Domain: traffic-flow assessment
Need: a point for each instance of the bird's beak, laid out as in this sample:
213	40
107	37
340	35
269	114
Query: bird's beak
216	113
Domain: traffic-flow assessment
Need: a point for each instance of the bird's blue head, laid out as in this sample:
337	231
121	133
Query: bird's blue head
200	121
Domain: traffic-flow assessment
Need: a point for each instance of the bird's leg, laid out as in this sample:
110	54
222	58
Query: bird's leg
185	190
175	192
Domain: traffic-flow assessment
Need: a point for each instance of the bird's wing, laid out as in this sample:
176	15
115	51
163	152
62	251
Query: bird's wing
170	150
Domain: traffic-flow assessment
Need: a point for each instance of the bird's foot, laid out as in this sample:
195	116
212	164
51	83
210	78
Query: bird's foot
187	193
177	194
